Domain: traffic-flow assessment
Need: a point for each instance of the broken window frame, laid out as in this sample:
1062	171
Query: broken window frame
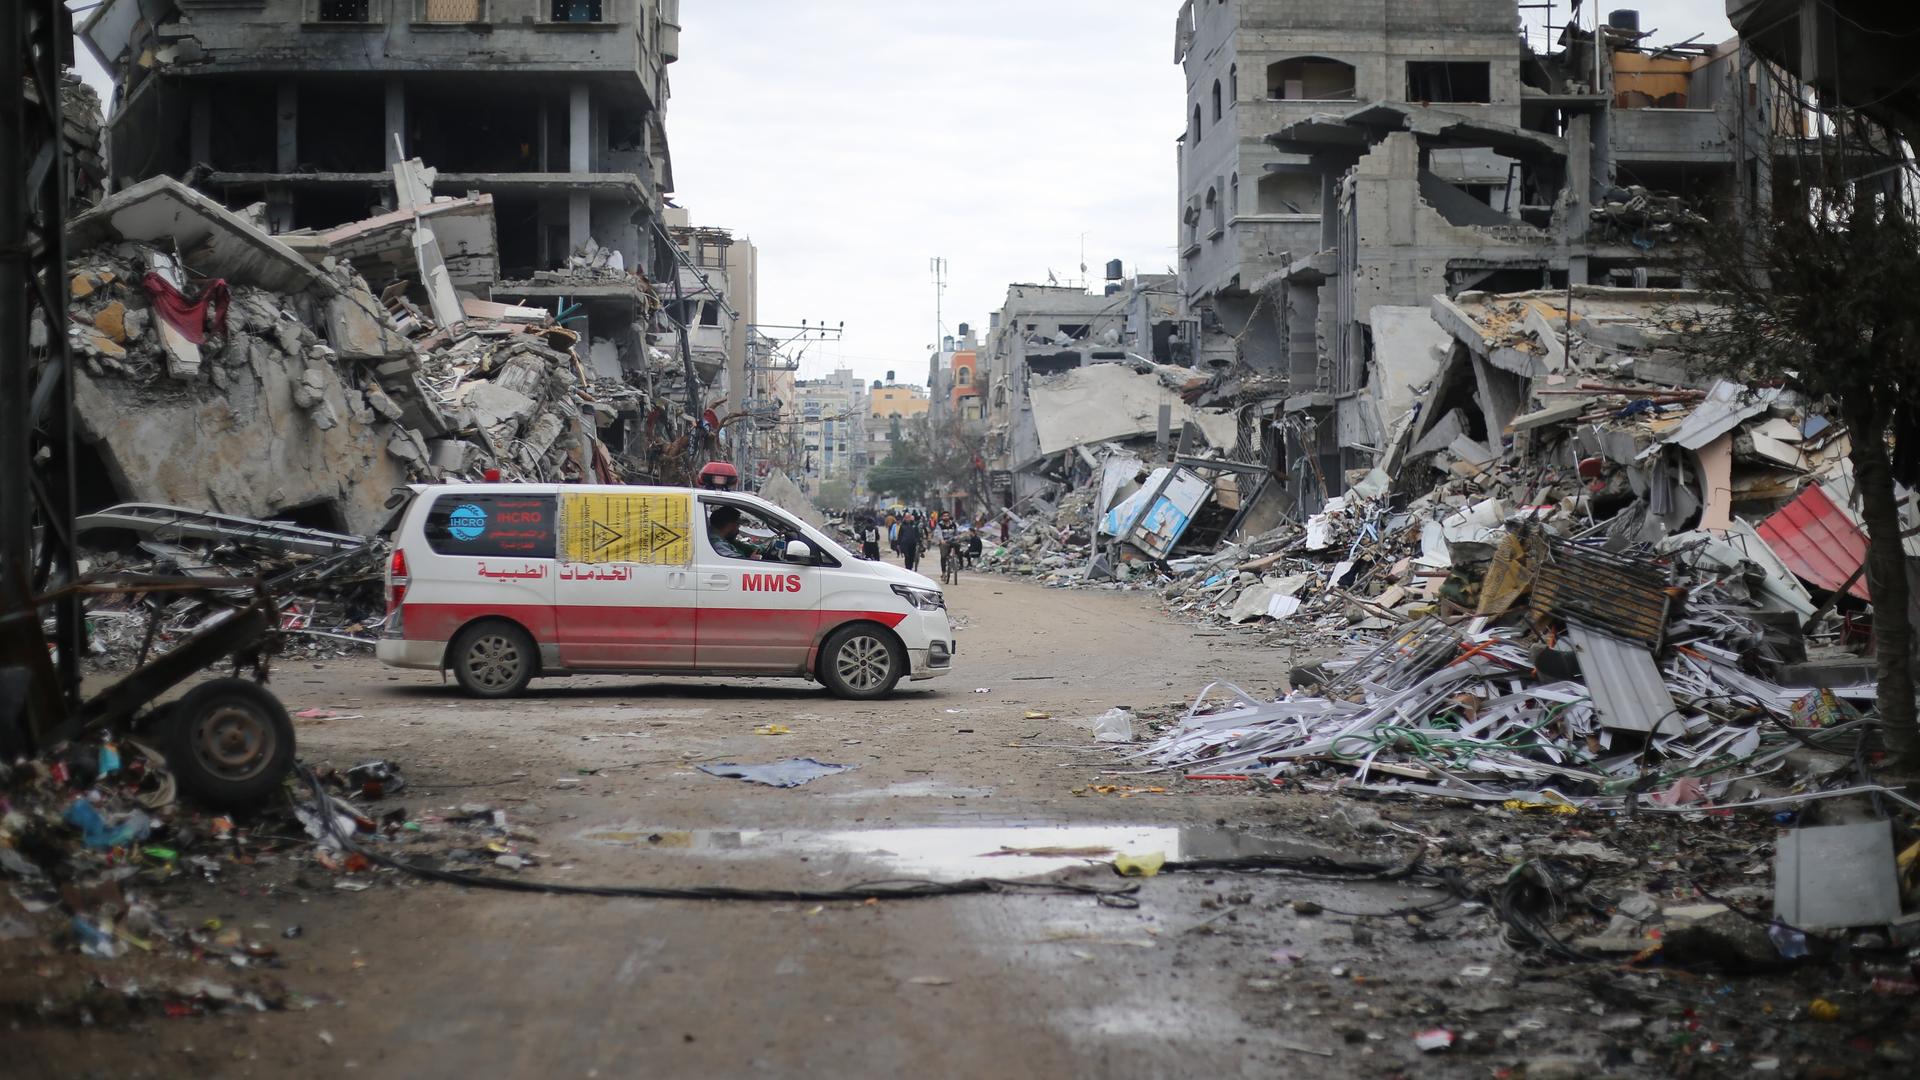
549	12
329	13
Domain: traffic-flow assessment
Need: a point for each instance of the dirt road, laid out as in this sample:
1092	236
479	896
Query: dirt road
1208	976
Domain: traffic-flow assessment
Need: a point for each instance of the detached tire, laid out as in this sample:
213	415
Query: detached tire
861	662
494	659
229	743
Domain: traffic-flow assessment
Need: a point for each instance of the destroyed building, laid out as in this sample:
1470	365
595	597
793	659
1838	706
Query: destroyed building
555	110
439	228
1256	66
1434	171
1039	379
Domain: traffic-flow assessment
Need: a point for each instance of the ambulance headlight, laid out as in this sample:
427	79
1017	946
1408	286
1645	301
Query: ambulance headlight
924	599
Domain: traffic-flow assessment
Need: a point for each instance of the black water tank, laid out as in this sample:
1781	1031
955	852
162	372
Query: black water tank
1112	287
1113	270
1627	19
963	329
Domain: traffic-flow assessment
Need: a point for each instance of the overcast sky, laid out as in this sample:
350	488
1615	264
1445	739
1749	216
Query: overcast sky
854	140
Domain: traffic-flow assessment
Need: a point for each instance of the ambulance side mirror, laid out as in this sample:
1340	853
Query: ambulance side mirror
799	551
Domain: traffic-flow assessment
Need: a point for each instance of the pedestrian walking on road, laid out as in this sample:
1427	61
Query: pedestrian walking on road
909	542
869	540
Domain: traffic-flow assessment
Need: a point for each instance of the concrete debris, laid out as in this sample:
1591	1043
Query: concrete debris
278	380
1837	876
1581	576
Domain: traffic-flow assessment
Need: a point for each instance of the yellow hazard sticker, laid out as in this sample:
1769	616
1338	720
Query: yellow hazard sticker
656	530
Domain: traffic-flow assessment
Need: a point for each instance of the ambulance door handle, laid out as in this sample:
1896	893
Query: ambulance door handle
678	579
717	581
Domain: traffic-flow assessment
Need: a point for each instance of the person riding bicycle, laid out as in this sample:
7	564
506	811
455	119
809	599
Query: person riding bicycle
948	534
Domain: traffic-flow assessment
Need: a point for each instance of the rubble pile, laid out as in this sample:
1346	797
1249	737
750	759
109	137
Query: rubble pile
223	367
93	846
328	586
1591	429
327	374
95	850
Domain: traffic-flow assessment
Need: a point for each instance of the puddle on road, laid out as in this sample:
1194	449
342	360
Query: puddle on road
953	854
916	789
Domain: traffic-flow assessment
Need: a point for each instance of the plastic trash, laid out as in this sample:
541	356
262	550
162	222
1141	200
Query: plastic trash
1114	726
109	759
1791	944
95	940
95	831
791	772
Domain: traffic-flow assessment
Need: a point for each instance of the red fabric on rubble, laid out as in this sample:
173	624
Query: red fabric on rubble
189	316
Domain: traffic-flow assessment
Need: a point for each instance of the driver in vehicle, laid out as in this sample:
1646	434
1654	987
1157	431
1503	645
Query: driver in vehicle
724	529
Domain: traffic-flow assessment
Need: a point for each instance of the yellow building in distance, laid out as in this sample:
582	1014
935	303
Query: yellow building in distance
888	400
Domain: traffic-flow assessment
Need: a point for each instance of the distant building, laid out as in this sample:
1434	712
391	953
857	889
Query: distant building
896	401
719	294
832	414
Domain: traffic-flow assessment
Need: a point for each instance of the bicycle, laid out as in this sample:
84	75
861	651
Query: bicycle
949	562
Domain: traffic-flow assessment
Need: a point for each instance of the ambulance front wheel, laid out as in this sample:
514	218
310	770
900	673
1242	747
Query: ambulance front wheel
494	659
862	662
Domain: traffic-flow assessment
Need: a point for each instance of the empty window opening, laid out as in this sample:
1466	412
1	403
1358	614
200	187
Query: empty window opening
325	207
1216	101
1214	217
1453	81
577	11
243	126
1195	132
1288	193
461	130
964	376
1233	83
1074	331
1053	364
343	10
709	314
1233	195
341	126
1311	78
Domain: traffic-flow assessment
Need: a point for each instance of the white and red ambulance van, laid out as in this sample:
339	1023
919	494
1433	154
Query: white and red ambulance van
505	582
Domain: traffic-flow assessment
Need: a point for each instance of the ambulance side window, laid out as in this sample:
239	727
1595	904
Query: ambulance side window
492	525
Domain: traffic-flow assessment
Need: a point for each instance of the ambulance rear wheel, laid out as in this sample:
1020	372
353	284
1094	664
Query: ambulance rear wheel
862	662
494	659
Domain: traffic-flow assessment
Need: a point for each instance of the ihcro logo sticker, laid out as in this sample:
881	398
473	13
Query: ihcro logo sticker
467	522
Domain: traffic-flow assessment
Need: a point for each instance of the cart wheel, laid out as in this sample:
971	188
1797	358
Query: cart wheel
229	743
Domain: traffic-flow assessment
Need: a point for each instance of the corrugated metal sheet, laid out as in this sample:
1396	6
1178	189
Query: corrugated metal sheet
1626	596
1726	405
1818	541
1629	693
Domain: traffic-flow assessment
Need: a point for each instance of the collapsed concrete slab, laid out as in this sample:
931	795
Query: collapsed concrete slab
280	435
382	246
1104	402
211	239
